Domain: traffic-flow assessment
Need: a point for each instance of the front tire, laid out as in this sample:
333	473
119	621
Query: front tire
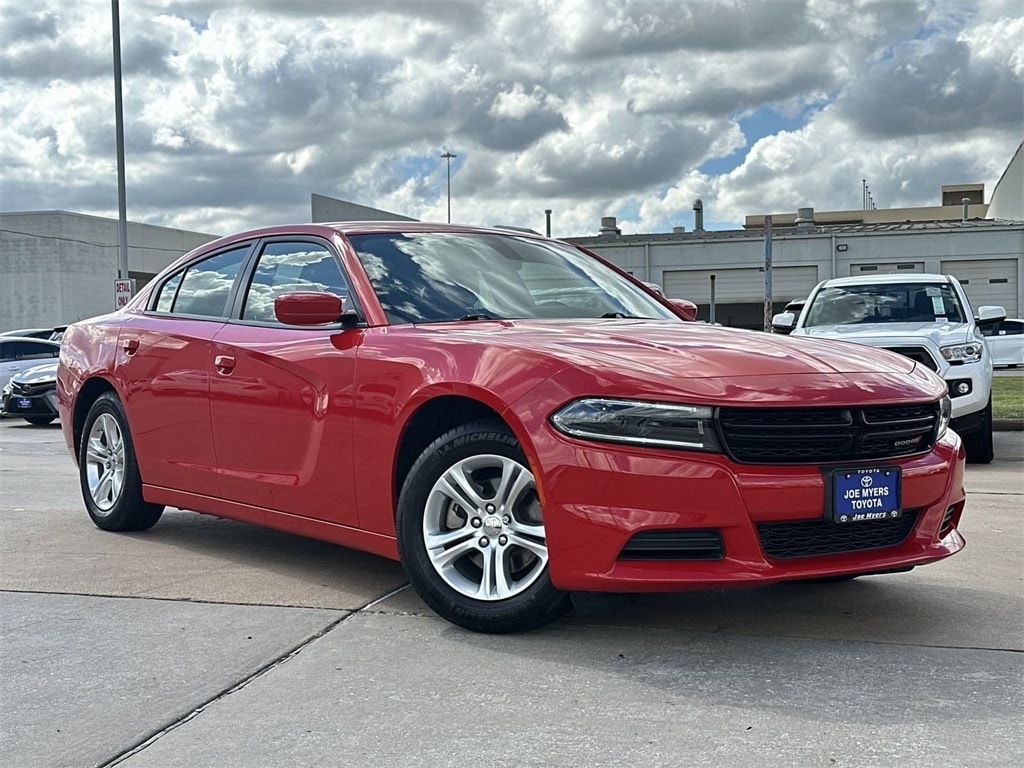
471	535
109	473
39	421
978	444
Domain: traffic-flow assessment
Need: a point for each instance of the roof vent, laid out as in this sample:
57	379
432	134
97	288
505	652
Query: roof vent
804	218
609	227
678	230
698	215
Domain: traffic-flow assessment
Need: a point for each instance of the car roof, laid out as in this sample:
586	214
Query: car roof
889	279
345	228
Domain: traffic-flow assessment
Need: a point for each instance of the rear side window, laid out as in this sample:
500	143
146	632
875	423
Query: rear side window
27	350
204	288
291	266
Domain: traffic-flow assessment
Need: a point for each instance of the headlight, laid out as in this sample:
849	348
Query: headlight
945	411
690	427
963	353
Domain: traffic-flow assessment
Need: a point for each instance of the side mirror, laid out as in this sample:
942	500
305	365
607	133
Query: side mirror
783	322
308	308
990	315
686	308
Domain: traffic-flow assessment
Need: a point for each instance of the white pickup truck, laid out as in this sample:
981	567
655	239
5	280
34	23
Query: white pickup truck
927	318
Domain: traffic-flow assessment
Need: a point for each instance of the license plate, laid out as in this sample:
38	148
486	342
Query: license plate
22	403
865	495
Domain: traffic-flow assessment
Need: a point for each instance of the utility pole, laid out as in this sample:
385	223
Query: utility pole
447	155
767	273
122	205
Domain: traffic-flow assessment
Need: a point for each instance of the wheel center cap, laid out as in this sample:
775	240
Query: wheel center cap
492	525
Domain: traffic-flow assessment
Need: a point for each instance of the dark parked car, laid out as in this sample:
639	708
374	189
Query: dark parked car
32	394
512	417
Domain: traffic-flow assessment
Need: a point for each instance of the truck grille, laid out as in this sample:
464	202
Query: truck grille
819	435
918	355
807	538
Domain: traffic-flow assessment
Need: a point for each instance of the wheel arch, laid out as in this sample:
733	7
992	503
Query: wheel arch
431	420
88	393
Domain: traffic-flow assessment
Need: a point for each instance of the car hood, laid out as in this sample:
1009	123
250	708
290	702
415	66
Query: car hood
694	362
37	374
683	350
884	334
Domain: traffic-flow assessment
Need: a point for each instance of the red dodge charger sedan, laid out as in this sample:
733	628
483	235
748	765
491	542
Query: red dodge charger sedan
511	417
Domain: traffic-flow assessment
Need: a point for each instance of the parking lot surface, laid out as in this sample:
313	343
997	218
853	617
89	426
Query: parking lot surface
205	642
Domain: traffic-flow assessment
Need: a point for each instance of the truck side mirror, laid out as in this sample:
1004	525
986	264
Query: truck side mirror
783	322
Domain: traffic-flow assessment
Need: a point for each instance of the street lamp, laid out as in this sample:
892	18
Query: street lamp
447	155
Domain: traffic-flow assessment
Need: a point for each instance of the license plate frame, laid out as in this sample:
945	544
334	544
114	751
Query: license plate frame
863	494
23	403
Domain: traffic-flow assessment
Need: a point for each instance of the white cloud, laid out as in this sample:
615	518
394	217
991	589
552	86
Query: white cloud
236	112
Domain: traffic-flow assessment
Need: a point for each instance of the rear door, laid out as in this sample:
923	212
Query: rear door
282	396
164	361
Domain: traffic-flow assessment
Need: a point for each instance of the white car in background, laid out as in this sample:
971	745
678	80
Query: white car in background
1005	342
927	318
18	353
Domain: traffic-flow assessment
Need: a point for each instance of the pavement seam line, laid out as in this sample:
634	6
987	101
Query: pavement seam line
155	736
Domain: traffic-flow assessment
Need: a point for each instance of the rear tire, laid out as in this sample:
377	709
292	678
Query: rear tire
471	536
109	473
978	444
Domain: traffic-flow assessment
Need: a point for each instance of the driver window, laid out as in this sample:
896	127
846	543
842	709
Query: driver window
291	266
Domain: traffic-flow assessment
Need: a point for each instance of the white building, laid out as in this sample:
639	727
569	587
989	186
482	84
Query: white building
58	267
986	255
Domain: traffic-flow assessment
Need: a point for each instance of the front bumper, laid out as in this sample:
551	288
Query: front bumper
597	498
43	404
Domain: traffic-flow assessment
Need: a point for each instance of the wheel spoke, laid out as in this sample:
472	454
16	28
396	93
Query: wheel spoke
457	486
443	539
515	480
95	450
446	557
536	547
525	529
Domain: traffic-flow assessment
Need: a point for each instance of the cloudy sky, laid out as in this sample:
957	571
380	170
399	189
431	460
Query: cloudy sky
236	112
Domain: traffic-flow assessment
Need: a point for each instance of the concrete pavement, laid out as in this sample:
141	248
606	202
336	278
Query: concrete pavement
205	642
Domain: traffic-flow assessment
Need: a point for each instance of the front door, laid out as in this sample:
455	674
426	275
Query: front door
281	396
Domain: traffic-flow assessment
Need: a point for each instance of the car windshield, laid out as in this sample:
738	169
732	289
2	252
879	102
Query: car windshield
423	277
885	303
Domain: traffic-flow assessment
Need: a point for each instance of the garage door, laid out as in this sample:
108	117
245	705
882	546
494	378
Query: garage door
739	284
987	281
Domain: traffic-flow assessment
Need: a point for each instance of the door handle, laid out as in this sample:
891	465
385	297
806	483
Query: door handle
130	346
224	363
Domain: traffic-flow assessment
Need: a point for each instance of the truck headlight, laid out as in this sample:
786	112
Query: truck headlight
963	353
689	427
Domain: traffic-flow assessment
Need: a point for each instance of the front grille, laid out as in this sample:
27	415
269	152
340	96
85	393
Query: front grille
818	435
675	544
807	538
918	355
28	390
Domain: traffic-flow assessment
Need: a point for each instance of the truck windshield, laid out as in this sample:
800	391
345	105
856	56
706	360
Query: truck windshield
889	303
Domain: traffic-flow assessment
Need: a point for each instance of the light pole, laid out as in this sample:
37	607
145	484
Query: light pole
448	155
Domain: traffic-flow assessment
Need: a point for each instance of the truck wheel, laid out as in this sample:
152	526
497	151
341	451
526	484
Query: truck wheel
978	444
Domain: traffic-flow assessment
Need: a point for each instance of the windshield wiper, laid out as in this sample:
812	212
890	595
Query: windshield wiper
621	315
478	316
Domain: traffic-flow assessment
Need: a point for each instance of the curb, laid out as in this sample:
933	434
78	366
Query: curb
1008	425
